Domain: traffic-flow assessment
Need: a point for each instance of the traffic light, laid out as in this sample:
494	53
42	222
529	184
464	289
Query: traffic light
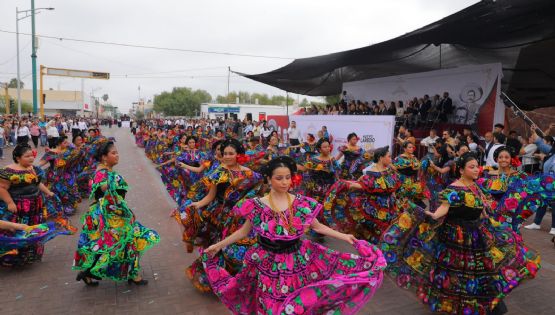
44	98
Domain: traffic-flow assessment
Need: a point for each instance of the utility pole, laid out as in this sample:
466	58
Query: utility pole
228	74
34	58
18	70
7	98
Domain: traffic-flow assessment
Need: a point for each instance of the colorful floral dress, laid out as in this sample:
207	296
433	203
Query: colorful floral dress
367	212
24	190
463	264
35	234
112	241
283	274
62	180
517	196
206	226
319	177
435	181
412	188
353	162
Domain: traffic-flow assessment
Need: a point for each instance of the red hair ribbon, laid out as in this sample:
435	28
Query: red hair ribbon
515	162
242	158
296	180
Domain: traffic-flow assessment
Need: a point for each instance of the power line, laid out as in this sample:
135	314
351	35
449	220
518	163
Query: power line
151	47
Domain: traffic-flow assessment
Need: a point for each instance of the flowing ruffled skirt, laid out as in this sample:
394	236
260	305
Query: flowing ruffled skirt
312	280
357	212
456	266
111	243
30	212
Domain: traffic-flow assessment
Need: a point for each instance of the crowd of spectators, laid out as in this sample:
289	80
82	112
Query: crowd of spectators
411	113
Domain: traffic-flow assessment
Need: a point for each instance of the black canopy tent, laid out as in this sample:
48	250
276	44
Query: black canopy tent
518	33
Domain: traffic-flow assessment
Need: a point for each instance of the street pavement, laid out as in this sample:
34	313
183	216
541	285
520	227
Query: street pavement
49	287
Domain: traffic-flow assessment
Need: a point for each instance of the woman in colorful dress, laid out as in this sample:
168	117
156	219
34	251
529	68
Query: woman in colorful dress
283	274
111	241
515	198
308	147
60	177
22	202
440	173
464	264
408	167
207	214
365	208
320	172
354	159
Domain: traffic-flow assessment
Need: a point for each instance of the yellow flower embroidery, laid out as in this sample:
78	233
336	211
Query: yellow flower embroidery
496	184
382	215
29	178
423	228
115	222
14	179
415	259
469	200
496	254
405	222
141	244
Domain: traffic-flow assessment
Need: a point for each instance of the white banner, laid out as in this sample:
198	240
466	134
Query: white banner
373	131
468	86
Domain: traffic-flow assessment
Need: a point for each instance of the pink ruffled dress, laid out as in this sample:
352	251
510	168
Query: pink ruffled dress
283	274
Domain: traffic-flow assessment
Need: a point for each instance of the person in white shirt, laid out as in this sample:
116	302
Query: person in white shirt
429	142
498	141
65	127
530	163
52	134
82	125
294	134
74	128
2	141
23	133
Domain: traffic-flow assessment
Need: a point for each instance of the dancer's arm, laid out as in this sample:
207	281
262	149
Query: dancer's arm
440	212
320	228
11	226
167	162
5	195
207	199
45	190
441	170
235	237
194	169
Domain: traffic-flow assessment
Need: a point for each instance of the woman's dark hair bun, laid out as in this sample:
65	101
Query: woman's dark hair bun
464	159
19	150
103	150
321	141
380	152
234	143
501	149
280	161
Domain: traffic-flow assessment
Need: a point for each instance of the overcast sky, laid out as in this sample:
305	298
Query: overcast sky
280	28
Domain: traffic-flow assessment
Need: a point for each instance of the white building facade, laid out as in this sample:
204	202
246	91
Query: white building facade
241	111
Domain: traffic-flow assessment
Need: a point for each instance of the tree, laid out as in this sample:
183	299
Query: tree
181	101
105	98
333	99
247	98
304	103
13	83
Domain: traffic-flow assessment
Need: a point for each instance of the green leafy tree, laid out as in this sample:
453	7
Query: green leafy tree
181	101
333	99
13	83
105	98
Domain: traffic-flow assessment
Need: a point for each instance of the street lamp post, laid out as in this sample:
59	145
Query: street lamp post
28	13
